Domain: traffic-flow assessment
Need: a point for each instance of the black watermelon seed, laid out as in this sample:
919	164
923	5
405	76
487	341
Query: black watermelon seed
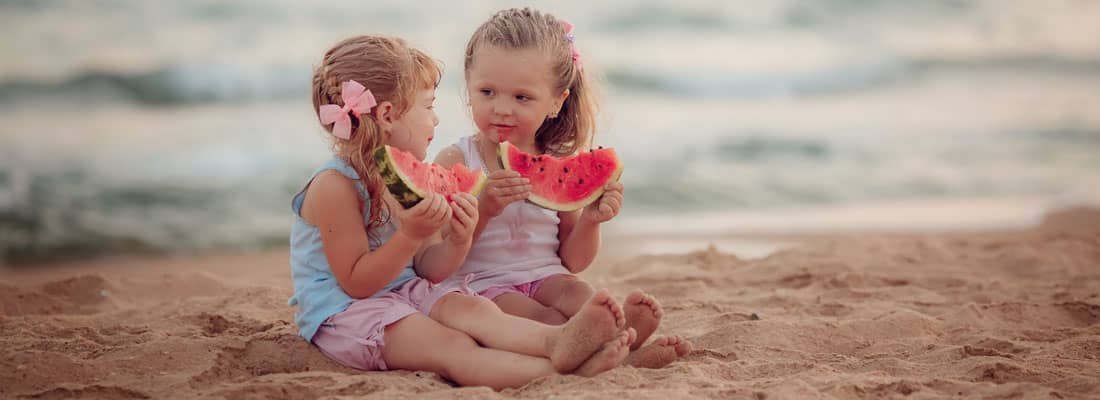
566	169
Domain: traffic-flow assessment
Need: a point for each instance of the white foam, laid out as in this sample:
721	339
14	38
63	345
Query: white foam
908	216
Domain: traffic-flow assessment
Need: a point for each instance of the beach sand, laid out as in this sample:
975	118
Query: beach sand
855	315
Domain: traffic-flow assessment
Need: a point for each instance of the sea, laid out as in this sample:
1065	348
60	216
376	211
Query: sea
184	127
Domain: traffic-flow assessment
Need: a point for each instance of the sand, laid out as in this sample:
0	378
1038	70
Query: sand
963	315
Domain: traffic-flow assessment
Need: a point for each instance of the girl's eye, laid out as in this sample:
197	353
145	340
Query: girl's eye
522	98
486	92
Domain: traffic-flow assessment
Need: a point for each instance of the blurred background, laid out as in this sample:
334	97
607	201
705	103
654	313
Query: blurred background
182	127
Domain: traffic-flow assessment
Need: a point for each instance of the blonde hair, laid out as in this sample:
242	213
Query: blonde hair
393	72
527	28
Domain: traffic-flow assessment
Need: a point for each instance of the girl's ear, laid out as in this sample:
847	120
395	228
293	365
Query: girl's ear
383	116
560	101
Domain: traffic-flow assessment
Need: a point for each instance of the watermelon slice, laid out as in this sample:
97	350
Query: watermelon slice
563	184
409	179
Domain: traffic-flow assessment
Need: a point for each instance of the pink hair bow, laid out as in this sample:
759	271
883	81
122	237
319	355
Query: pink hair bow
357	100
572	43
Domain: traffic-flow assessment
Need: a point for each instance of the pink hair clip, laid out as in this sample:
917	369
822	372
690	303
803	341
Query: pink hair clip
572	43
357	100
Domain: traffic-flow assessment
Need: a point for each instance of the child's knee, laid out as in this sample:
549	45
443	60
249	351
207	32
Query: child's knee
468	305
455	341
481	306
550	316
578	289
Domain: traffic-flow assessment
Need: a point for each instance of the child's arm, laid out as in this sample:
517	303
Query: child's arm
503	188
579	231
333	205
443	254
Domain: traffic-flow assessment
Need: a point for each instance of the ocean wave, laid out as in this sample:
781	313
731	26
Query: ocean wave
729	16
191	84
1074	136
78	212
758	147
83	208
651	16
170	85
839	79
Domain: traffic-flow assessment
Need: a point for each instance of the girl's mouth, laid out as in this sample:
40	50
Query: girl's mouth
503	130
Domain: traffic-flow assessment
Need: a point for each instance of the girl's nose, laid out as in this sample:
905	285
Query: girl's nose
500	108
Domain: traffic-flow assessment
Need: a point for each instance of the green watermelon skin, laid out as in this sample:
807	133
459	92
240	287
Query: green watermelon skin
404	193
563	184
402	184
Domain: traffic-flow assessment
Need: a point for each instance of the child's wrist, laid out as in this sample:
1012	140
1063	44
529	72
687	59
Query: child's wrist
483	212
588	218
408	236
459	242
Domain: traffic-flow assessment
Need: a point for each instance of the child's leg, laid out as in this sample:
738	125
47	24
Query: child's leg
643	313
564	292
612	353
663	351
523	306
418	343
567	346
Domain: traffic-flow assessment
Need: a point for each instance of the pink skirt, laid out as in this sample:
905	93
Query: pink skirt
354	337
527	289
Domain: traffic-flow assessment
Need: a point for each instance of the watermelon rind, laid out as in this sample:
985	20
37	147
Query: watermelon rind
502	156
399	184
482	180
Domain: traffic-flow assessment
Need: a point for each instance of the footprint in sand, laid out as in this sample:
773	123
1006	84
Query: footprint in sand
643	313
663	351
598	321
612	353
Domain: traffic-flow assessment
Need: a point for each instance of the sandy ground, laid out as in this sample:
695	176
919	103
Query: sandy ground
964	315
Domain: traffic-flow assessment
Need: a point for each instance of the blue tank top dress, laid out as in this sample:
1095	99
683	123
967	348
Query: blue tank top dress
316	292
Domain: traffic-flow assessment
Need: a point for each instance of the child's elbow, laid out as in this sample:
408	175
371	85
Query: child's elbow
435	278
357	293
437	273
573	264
567	263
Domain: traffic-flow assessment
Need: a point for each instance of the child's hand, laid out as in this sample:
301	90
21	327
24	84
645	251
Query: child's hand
607	206
463	218
503	188
423	219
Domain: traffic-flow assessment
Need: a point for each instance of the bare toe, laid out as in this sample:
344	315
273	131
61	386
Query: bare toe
611	355
684	347
643	313
663	351
616	309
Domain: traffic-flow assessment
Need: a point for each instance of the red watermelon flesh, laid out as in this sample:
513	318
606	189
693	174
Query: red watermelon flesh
563	184
410	180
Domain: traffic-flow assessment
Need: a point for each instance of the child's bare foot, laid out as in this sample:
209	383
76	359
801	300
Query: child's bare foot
597	322
643	313
663	351
612	354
